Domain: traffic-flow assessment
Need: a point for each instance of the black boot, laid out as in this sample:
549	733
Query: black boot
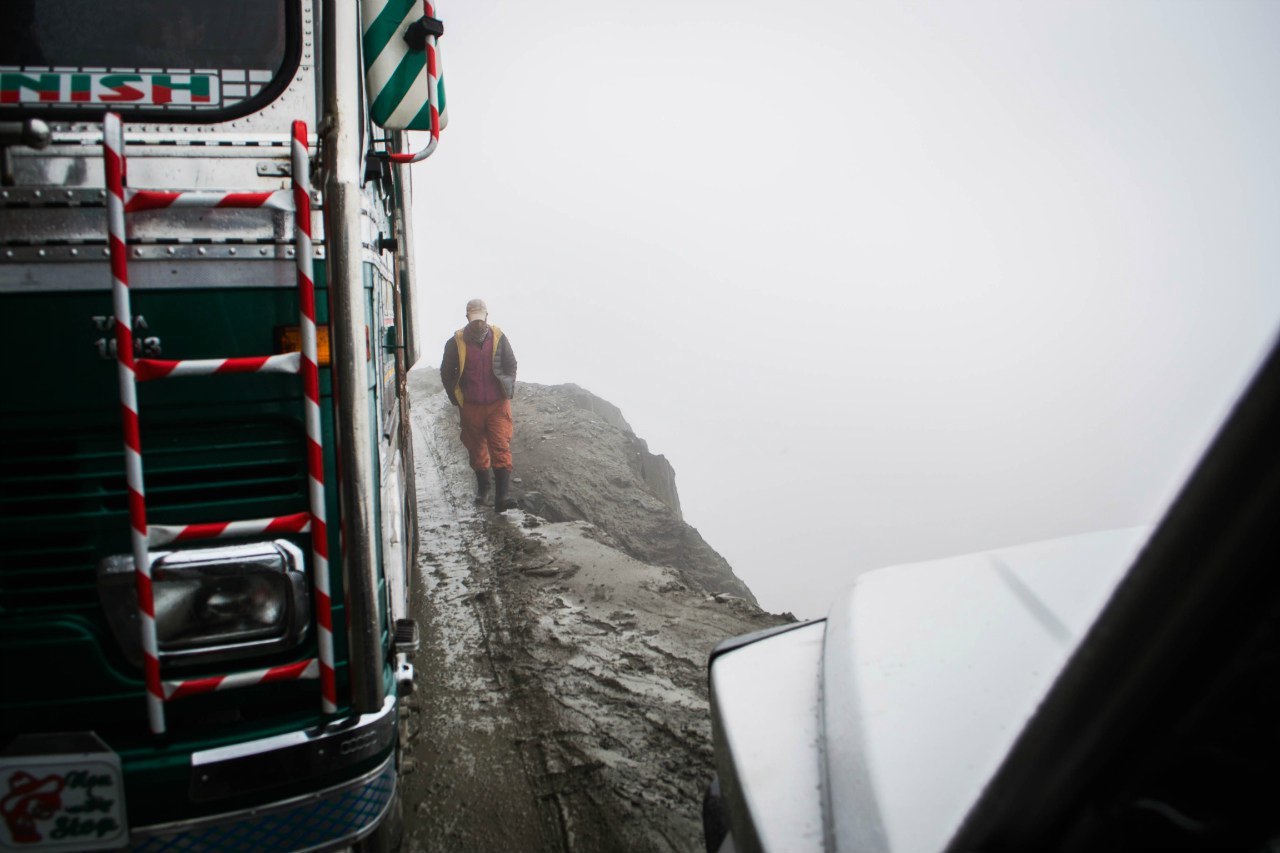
502	481
482	486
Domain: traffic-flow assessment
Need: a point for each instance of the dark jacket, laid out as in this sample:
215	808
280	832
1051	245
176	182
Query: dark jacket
455	359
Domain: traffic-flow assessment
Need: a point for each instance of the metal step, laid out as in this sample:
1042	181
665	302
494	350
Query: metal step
406	636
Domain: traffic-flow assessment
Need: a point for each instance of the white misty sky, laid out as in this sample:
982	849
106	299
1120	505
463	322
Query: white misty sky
885	282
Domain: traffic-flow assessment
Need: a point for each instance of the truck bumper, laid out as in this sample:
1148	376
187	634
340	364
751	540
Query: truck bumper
324	819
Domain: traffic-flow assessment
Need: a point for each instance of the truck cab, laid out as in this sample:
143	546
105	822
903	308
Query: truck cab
234	683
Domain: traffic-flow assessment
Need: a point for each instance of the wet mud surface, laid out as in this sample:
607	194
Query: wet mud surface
561	697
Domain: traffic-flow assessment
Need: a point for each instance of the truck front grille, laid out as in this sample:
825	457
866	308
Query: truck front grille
63	497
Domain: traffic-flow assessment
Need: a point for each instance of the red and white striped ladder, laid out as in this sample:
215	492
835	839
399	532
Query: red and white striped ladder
120	201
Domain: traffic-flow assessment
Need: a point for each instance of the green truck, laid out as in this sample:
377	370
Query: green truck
208	522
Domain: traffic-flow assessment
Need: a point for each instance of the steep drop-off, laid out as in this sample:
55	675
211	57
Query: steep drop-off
578	460
561	701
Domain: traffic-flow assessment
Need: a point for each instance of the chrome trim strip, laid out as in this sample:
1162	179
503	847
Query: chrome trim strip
342	164
167	836
189	136
403	232
220	273
278	760
87	252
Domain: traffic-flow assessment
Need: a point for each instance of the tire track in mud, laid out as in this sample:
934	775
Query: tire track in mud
481	776
561	690
466	783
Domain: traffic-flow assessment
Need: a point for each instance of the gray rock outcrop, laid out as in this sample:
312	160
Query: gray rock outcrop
588	465
561	700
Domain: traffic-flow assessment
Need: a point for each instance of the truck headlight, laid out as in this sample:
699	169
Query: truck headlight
212	604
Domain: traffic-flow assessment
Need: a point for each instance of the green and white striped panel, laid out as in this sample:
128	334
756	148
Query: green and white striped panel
395	76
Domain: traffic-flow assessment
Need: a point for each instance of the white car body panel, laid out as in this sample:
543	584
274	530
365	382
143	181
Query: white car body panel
931	671
879	728
767	708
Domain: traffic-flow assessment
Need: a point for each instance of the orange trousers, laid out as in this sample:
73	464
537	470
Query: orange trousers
486	433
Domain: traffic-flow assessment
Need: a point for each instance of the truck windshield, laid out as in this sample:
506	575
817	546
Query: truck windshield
220	57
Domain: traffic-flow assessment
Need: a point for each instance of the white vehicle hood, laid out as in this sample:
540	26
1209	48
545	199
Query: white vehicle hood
931	670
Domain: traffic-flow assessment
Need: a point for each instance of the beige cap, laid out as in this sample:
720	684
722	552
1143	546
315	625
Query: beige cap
477	310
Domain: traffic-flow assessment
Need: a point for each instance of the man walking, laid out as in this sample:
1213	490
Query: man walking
479	375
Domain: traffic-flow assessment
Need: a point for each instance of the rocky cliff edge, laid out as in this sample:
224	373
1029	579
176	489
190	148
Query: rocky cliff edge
561	699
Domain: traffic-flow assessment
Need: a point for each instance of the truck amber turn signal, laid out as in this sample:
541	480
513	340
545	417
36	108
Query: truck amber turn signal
289	339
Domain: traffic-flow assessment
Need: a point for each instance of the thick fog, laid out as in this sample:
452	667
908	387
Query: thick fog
885	282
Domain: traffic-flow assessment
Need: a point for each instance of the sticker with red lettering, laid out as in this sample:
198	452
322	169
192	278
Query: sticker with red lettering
62	802
183	90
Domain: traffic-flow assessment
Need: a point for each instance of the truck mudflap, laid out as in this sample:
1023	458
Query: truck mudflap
320	820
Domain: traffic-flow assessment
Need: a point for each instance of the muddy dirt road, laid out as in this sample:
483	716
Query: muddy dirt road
561	698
